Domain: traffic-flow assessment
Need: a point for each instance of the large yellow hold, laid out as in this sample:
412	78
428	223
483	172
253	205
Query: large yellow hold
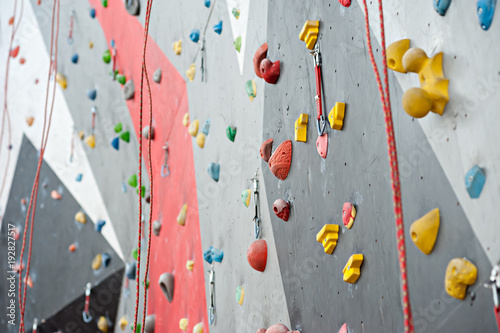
181	218
183	324
309	33
178	47
395	53
328	236
336	116
90	141
198	328
102	324
301	127
191	72
460	273
193	127
352	269
424	231
200	140
61	79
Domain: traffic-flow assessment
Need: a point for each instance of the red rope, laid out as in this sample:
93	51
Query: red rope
393	161
144	74
43	145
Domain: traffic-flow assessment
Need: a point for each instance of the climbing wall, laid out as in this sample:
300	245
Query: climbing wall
301	286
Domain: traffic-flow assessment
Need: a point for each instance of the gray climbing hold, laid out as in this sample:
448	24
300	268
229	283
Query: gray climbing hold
133	7
157	75
156	228
145	133
129	89
149	325
130	269
166	282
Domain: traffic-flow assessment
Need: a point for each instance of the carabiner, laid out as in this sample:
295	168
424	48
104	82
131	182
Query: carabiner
211	309
321	125
86	314
35	325
256	218
164	168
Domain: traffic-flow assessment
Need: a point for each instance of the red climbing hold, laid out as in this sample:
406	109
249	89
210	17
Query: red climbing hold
270	71
345	3
14	52
343	329
265	149
22	61
276	328
257	255
322	145
11	20
280	161
282	209
260	55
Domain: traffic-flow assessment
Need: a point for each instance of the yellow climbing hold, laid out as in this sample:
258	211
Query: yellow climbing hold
198	328
189	265
309	33
193	127
181	219
91	45
102	324
30	120
352	269
80	217
61	79
96	263
123	323
460	273
424	231
328	236
191	72
90	140
183	324
395	53
178	47
336	116
200	140
301	127
81	135
185	120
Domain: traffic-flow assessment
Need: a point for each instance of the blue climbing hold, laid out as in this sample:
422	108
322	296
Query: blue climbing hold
106	259
207	3
441	6
130	270
474	181
485	12
92	94
115	142
79	177
214	171
99	225
92	12
217	255
74	58
207	255
195	35
112	43
218	27
206	127
124	188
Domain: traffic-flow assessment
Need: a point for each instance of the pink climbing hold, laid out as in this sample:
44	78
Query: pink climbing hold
55	195
322	145
343	329
282	209
265	149
280	161
345	3
276	328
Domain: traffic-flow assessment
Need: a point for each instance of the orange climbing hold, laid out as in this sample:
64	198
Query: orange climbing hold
55	195
14	52
257	255
11	20
72	247
280	161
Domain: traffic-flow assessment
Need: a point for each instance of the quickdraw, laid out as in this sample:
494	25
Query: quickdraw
494	285
256	218
93	110
164	168
71	25
211	308
86	314
321	123
35	325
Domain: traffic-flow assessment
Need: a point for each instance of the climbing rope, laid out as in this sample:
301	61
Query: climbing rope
393	161
45	134
144	73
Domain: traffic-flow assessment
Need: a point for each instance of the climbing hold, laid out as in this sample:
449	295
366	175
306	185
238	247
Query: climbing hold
80	217
157	75
348	214
433	92
125	136
104	3
135	253
282	209
181	218
79	177
99	225
237	44
92	12
257	255
29	121
301	127
352	270
193	127
424	231
133	7
11	20
14	52
61	79
90	140
129	89
309	33
251	89
156	228
265	149
106	259
198	328
118	128
336	116
22	61
270	70
191	72
137	329
246	196
132	180
441	6
240	295
102	324
276	328
106	56
194	35
183	324
130	270
460	273
216	254
123	322
74	58
236	13
91	45
328	236
343	329
166	282
322	145
143	191
177	47
92	94
189	265
485	12
55	195
149	325
214	170
185	119
259	55
280	161
395	53
115	142
200	140
218	27
72	247
145	132
122	79
206	127
345	3
474	181
96	262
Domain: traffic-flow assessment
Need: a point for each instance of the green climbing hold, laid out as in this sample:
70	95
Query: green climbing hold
236	13
147	284
134	253
237	44
118	128
104	3
137	329
132	181
121	79
231	133
106	56
143	192
125	136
